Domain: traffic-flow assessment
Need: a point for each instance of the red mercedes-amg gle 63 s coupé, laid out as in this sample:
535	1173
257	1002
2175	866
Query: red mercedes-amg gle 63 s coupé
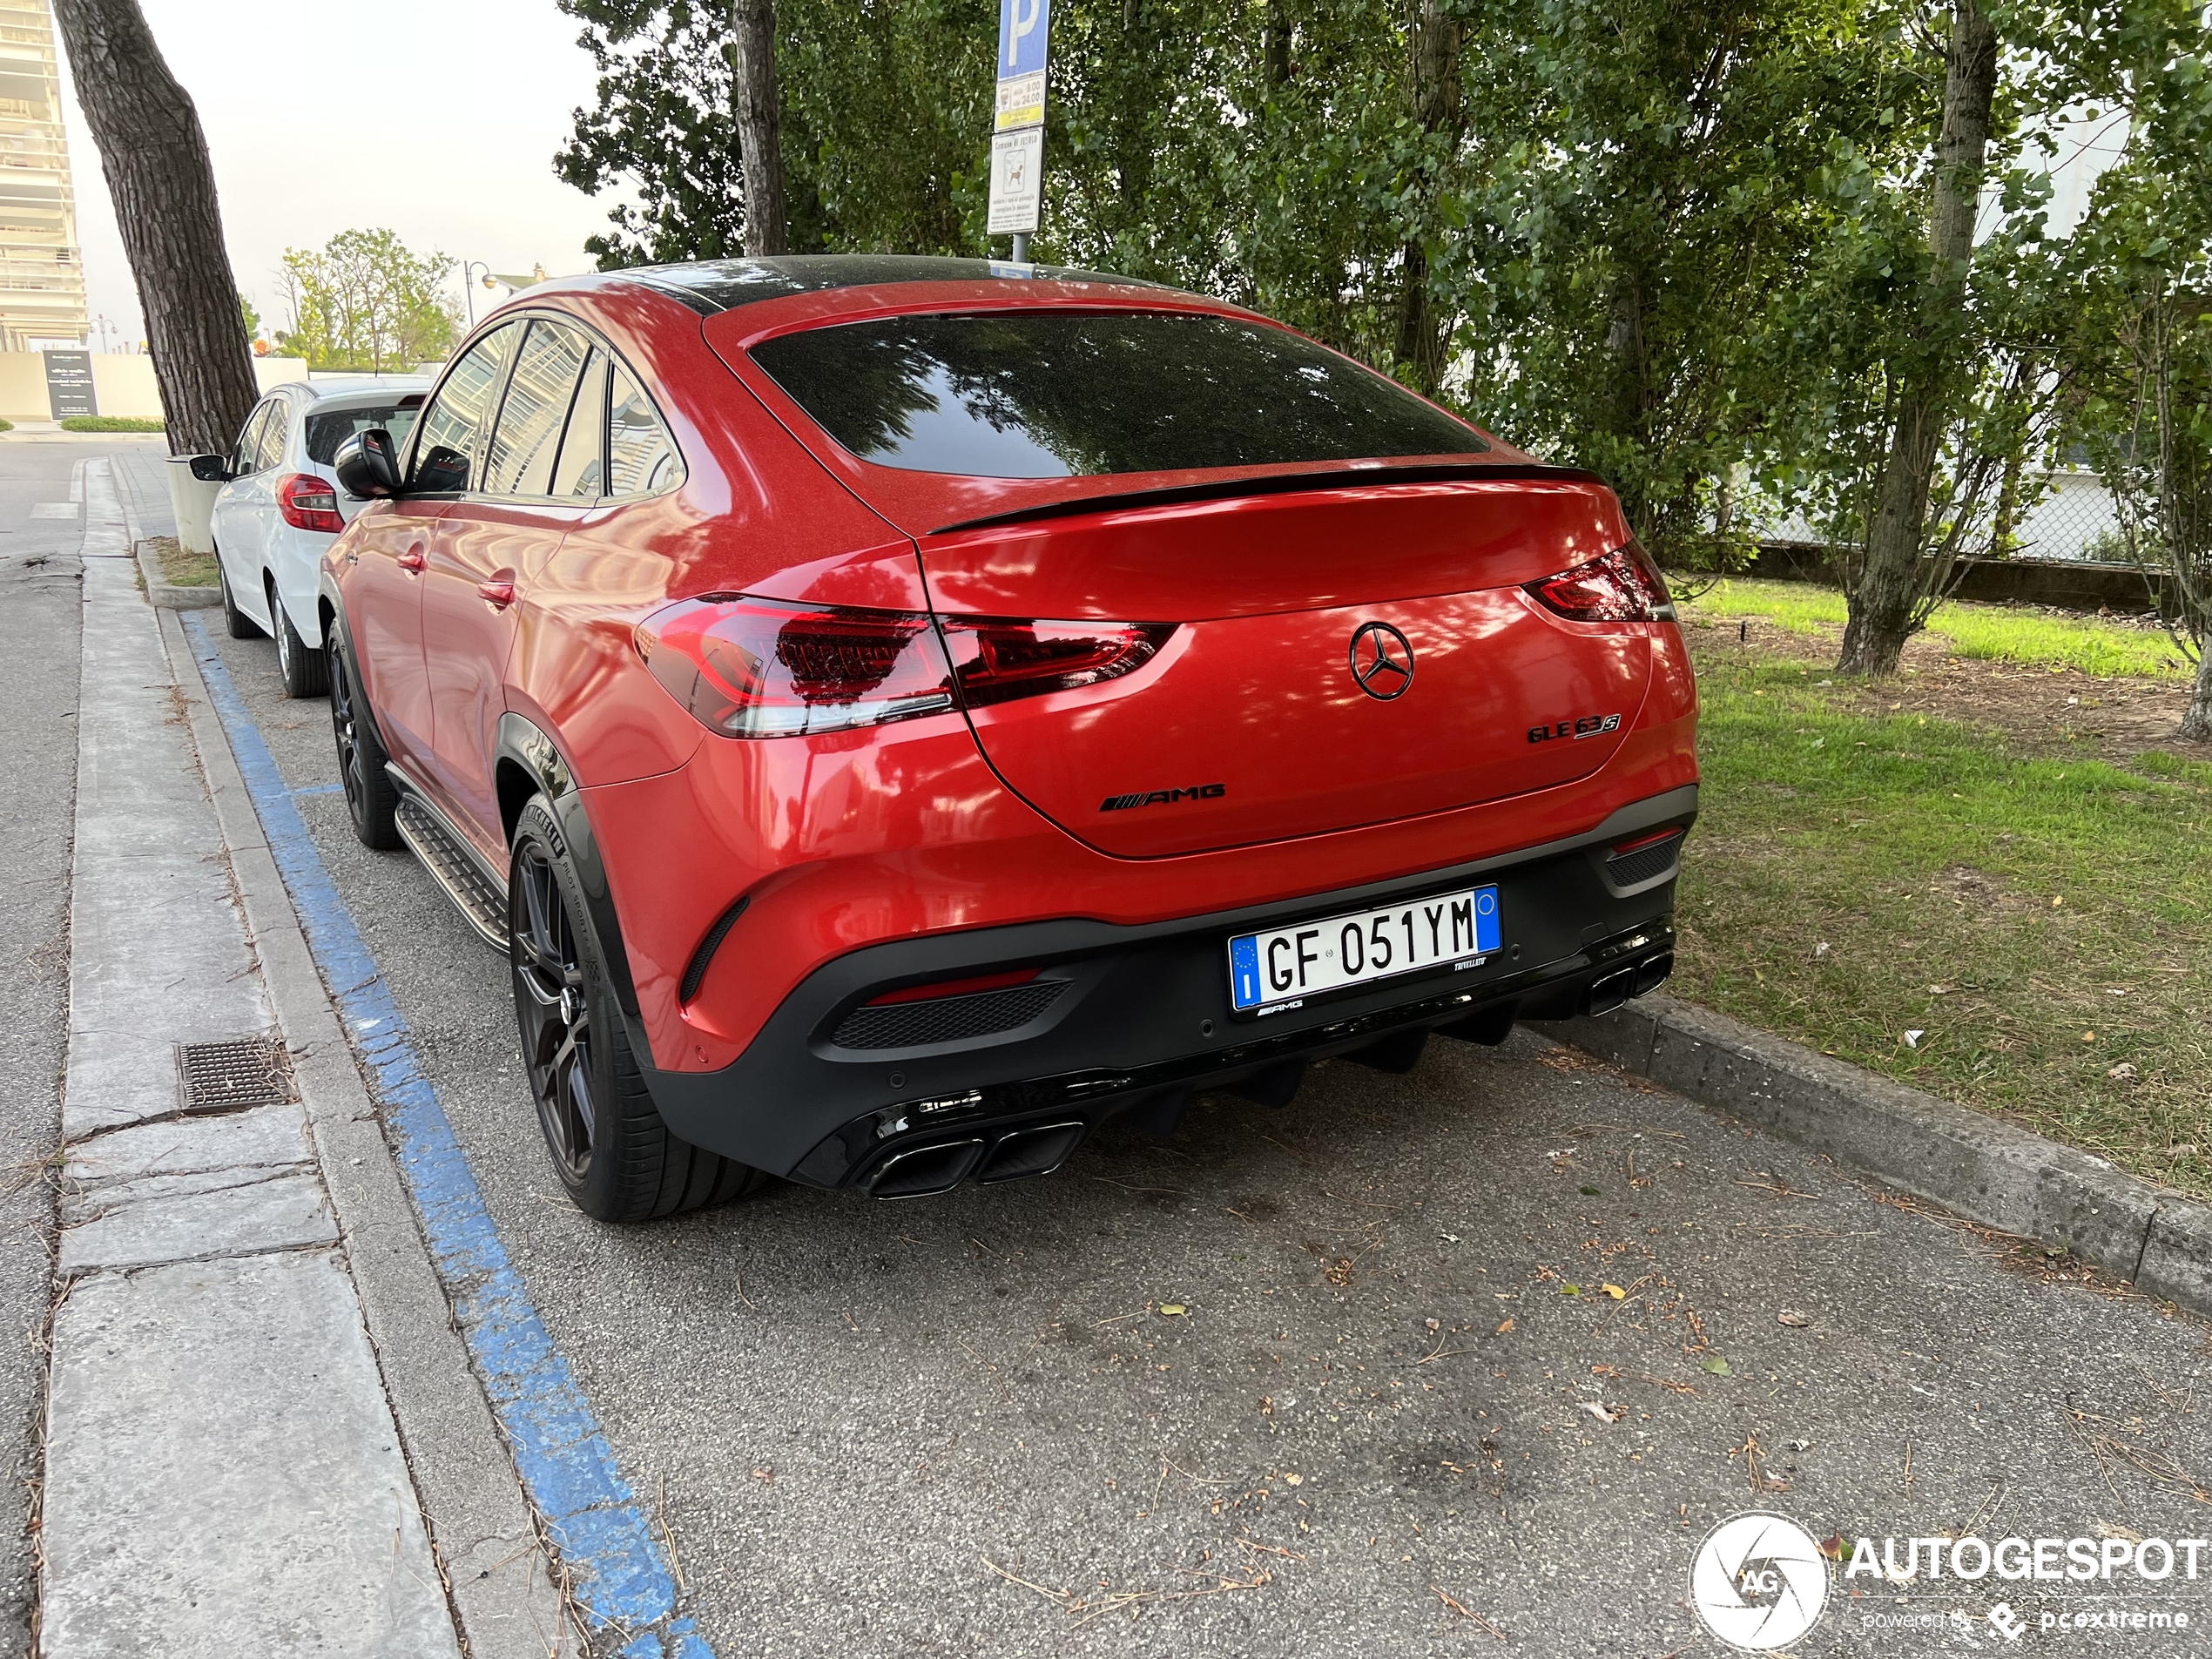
898	714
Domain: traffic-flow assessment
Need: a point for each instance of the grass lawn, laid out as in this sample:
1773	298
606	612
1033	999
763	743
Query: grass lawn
180	569
2041	919
1987	633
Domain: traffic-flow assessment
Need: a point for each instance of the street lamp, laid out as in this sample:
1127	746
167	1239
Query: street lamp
468	271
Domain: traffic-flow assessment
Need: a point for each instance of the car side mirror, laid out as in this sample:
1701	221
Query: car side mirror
212	469
365	466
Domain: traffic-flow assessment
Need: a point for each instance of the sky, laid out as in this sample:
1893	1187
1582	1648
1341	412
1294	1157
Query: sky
435	118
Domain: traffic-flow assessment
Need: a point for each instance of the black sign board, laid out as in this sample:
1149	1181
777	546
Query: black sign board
69	383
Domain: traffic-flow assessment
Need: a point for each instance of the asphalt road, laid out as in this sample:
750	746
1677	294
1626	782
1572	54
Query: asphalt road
969	1426
39	622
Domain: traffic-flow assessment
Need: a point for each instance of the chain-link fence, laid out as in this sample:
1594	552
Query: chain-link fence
2070	516
2065	548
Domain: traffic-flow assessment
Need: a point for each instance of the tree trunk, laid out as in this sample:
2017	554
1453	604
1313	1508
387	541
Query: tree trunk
2196	723
760	149
1883	601
1275	45
1433	95
155	158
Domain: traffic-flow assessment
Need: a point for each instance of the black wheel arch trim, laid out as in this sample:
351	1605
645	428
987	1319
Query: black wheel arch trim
525	745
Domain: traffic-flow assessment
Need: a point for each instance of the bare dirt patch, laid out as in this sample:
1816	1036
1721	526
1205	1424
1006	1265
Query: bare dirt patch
2045	711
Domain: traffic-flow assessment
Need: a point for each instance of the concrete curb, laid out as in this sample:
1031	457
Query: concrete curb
1981	1167
483	1531
166	597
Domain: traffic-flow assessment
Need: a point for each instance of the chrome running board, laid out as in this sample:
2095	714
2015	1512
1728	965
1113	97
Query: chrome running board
452	864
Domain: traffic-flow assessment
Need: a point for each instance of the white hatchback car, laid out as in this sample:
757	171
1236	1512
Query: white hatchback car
281	507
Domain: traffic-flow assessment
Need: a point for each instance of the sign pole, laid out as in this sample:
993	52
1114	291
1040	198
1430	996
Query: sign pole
1018	133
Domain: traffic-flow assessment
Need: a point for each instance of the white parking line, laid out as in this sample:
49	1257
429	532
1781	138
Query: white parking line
53	510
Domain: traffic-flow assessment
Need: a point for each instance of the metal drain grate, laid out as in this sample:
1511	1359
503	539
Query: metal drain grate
224	1076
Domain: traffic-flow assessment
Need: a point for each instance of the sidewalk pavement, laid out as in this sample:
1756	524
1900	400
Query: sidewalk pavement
262	1434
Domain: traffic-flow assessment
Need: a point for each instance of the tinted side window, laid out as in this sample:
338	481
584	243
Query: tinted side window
249	442
641	456
450	433
581	473
528	432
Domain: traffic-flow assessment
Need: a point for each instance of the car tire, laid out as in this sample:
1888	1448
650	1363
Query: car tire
305	672
241	626
372	800
614	1155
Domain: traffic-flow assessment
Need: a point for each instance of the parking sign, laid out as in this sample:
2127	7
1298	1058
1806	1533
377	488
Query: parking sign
1017	126
1017	181
1023	25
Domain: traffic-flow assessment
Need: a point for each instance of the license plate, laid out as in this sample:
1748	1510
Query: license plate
1286	965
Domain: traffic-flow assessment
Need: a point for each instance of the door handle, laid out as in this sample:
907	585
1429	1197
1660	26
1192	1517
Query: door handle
497	595
412	561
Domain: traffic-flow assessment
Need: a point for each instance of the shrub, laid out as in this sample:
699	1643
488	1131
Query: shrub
112	423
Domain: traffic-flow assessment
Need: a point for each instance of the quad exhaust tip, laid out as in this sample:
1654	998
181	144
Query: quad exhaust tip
924	1171
1614	988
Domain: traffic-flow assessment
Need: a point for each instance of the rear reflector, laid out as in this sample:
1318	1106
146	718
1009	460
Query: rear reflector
955	987
1620	586
764	668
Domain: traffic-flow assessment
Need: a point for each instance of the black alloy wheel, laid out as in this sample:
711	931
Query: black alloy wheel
609	1147
372	800
556	1015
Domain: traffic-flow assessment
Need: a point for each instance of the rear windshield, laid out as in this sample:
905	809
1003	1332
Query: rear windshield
1056	394
331	428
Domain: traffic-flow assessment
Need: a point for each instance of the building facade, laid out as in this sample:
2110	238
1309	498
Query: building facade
42	279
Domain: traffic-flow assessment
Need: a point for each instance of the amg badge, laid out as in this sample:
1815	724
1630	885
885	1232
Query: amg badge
1590	726
1164	797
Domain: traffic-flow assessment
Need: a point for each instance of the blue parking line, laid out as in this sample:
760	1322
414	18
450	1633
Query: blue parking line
565	1462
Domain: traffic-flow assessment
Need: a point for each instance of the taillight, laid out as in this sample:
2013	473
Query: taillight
309	504
760	668
1620	586
993	662
766	668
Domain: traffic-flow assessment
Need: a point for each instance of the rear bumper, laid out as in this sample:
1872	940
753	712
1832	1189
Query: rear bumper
1130	1019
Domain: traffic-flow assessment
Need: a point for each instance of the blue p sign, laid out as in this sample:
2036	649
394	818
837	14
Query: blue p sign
1023	25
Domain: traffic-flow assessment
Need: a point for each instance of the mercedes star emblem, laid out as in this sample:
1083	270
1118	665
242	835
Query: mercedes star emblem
1382	661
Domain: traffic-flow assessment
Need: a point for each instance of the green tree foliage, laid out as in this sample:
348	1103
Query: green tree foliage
1687	246
250	317
365	300
885	126
1674	180
2141	349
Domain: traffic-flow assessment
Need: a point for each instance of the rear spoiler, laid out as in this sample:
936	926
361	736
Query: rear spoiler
1276	484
